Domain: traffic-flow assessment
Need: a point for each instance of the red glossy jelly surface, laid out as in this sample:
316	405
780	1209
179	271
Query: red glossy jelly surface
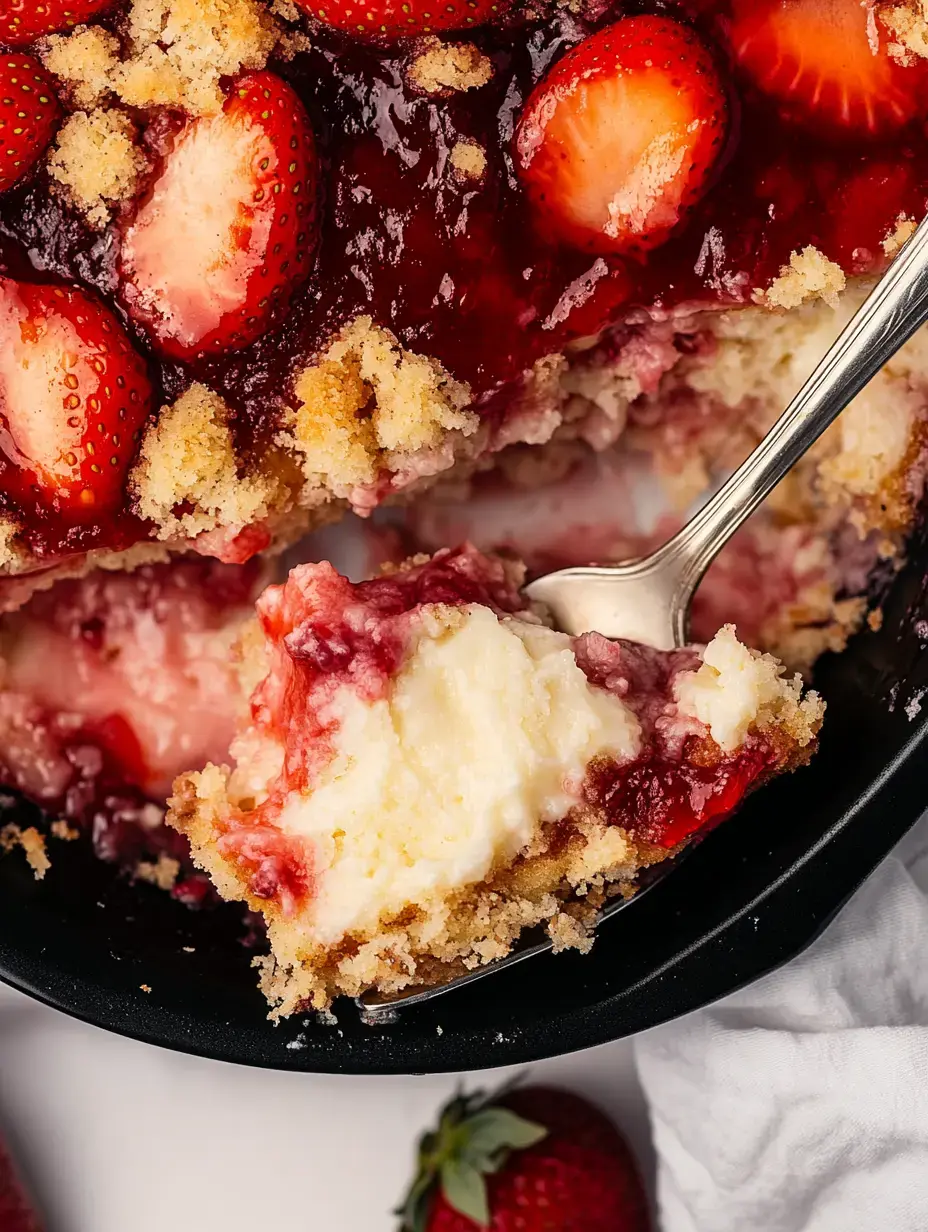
459	271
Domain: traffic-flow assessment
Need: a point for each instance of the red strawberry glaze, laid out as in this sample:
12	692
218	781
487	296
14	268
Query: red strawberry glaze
680	784
459	271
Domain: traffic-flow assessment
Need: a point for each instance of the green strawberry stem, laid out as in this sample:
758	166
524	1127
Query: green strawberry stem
474	1138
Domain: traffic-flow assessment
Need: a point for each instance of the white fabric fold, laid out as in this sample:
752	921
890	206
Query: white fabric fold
800	1104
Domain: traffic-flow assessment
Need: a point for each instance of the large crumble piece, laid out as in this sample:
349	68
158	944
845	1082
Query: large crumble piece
445	68
468	159
181	49
97	160
32	844
366	399
907	23
900	235
84	62
187	461
809	275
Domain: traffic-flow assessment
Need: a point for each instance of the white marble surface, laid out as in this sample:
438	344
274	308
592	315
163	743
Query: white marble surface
117	1136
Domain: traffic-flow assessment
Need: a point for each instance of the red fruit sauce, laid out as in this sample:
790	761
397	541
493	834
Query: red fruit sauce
458	271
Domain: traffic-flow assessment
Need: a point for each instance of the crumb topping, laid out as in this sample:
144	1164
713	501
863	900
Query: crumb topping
468	159
32	844
903	231
444	68
366	402
162	873
181	49
188	460
85	63
98	161
809	275
908	24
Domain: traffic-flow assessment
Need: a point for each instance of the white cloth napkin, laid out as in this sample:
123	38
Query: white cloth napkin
800	1104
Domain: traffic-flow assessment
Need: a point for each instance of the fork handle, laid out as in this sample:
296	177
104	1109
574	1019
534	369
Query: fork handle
893	311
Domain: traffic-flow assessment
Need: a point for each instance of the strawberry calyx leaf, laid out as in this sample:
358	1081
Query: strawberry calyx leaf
473	1140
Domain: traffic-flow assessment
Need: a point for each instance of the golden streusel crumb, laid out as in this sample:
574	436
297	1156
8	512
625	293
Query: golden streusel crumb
902	232
809	275
907	22
180	50
98	161
32	843
162	872
365	398
84	62
442	68
64	832
875	620
468	159
187	458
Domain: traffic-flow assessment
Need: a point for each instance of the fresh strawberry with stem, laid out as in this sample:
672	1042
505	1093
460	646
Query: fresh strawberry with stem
826	64
16	1213
390	18
225	236
24	21
534	1159
74	395
619	140
29	115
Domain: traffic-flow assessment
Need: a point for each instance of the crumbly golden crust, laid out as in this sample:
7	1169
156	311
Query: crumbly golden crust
907	23
179	51
468	159
32	844
97	160
808	276
366	405
85	63
187	461
442	68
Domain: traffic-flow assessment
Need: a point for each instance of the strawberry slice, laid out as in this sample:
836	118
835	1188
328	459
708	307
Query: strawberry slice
397	17
825	62
24	21
619	140
225	236
73	397
29	115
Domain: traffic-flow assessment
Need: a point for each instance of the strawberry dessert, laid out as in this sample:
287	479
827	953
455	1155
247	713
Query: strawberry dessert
428	769
483	271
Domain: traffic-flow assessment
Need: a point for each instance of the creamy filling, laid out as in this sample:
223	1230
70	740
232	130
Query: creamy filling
484	736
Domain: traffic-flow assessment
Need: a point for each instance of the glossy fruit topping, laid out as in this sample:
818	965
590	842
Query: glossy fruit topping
73	397
215	252
398	17
826	63
29	115
24	21
619	140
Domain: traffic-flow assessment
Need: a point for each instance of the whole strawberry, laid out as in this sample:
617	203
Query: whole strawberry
536	1159
16	1214
24	21
392	18
29	115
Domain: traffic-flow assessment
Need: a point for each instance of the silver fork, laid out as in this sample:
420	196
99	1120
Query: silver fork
648	600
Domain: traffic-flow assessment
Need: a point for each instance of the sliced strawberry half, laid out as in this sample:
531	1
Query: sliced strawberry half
29	115
24	21
226	233
619	140
73	397
398	17
826	63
